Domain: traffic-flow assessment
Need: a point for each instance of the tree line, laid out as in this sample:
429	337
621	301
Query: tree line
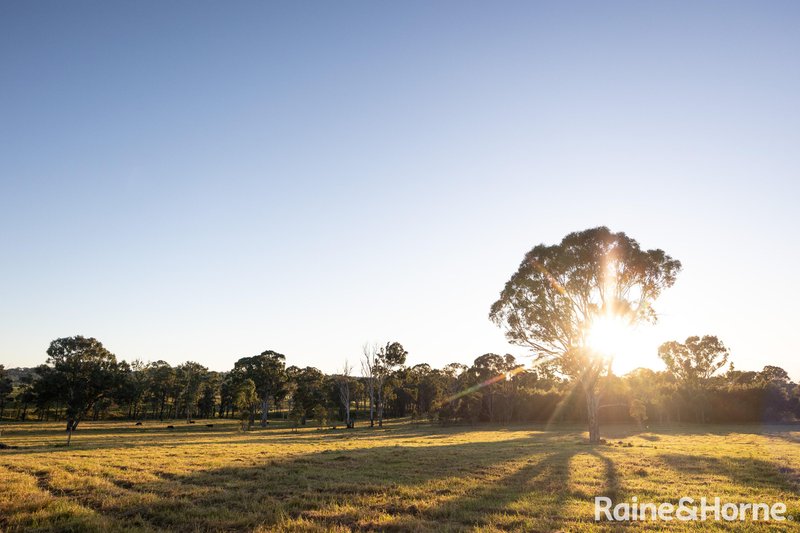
550	306
83	380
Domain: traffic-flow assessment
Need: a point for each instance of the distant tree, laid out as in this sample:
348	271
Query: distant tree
209	394
25	395
487	390
44	390
389	358
268	372
774	374
190	377
81	372
642	390
369	367
6	387
343	386
550	304
131	387
358	392
296	414
160	382
737	378
448	405
310	391
227	394
320	414
453	370
247	402
494	374
427	387
692	363
102	407
468	399
638	411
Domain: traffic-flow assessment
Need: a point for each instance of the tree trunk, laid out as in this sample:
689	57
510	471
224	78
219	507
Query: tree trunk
592	403
264	411
72	425
380	406
371	402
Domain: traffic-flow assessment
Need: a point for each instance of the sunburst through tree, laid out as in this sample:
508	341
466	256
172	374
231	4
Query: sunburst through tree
573	303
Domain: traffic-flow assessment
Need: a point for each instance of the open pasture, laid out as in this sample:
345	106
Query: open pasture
120	477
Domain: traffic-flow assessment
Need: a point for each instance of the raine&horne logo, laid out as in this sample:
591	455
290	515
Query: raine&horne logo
687	510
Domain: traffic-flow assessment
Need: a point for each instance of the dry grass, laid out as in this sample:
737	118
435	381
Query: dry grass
119	477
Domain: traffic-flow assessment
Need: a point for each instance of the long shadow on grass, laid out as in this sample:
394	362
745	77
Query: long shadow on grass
267	490
744	471
369	469
546	480
188	436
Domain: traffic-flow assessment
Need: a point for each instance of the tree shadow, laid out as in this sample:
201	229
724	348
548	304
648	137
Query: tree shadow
547	479
610	475
746	472
112	439
724	429
333	487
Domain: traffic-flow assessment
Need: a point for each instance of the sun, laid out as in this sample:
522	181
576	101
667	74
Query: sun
612	336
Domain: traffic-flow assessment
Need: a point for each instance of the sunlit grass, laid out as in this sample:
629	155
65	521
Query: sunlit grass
120	477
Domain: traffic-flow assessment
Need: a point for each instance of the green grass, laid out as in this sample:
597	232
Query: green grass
119	477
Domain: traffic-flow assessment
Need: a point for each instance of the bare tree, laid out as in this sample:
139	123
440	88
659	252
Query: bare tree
343	382
369	368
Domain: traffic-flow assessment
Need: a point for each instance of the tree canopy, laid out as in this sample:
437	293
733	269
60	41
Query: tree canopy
494	388
697	359
693	362
82	371
559	291
268	372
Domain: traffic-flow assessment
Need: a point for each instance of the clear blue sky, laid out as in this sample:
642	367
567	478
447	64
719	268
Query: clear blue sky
207	180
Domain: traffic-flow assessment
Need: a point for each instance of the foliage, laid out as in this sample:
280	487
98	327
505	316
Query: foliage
246	402
495	388
6	387
267	371
692	364
550	304
79	372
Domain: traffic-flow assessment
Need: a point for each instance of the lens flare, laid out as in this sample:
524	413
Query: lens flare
505	376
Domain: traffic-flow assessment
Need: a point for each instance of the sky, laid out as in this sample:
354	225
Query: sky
207	180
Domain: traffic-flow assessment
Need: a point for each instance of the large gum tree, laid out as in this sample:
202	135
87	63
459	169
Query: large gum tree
560	291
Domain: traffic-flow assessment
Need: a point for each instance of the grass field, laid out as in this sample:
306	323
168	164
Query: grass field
119	477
